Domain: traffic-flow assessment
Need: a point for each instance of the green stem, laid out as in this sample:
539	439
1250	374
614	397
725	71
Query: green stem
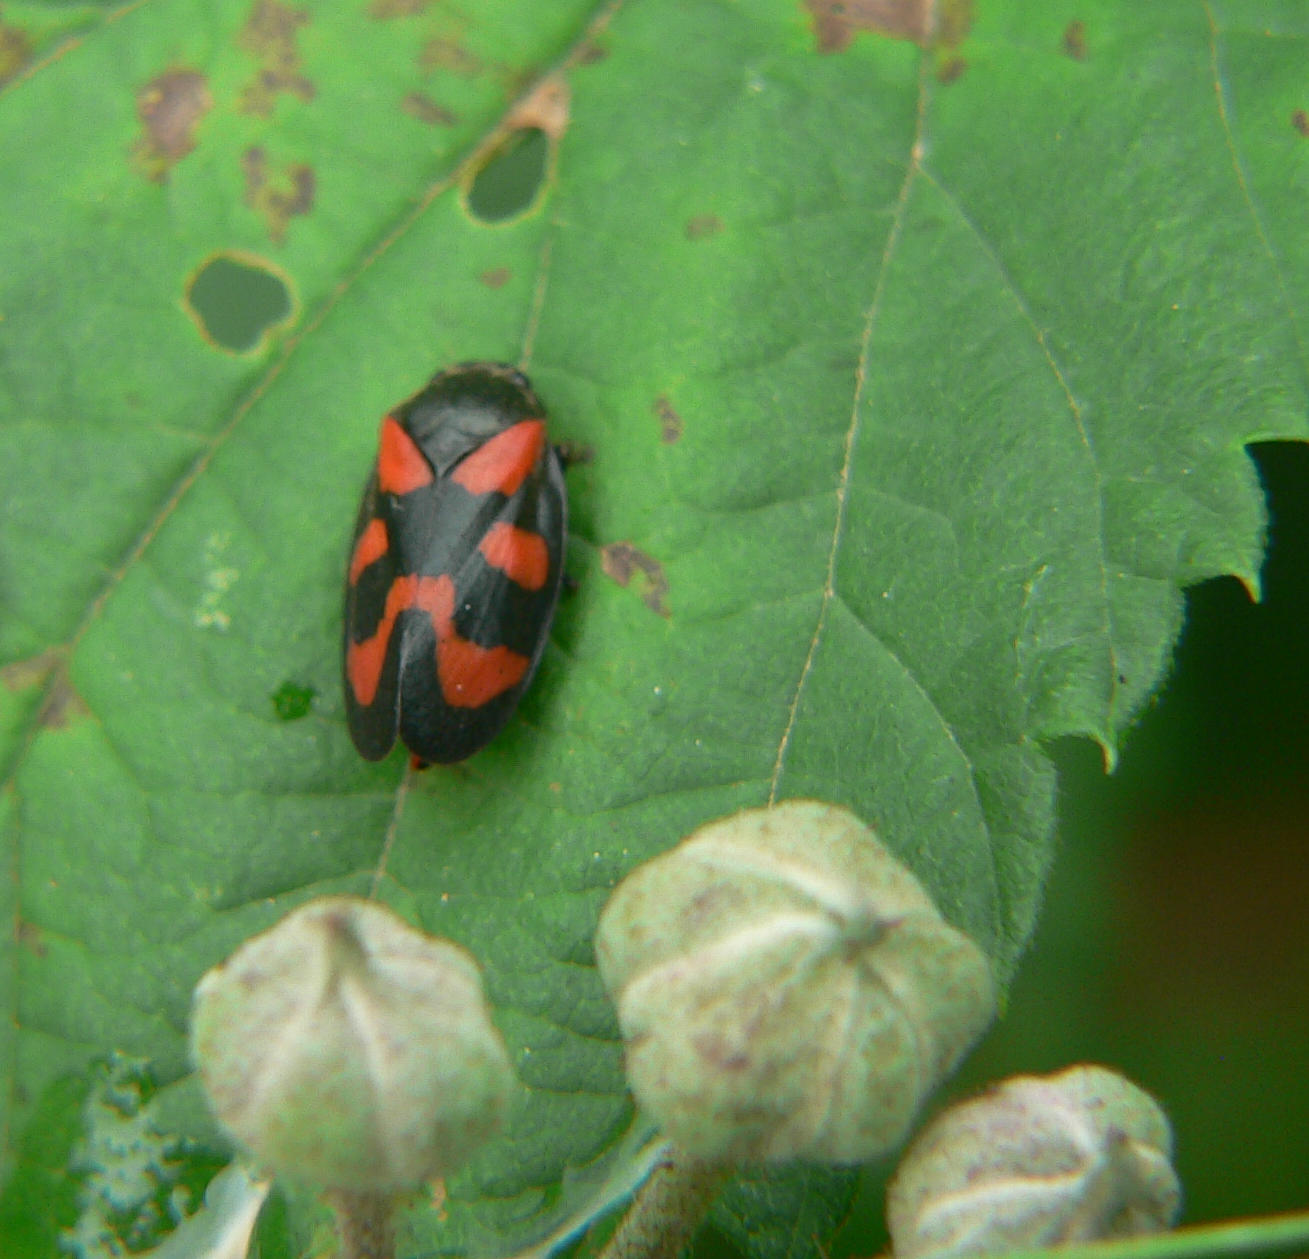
1270	1236
667	1209
364	1224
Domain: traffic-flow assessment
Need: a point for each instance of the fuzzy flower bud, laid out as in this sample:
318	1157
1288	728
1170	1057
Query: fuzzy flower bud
1036	1161
348	1050
786	989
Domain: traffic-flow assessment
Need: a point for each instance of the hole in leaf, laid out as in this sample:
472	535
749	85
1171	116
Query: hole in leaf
510	178
237	301
291	702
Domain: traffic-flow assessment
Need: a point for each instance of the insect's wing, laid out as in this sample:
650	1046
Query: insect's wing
546	515
371	646
506	582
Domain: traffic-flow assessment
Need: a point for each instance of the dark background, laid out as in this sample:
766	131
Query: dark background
1174	943
1174	940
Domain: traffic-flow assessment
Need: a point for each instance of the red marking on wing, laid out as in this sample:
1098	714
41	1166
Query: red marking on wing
519	554
472	675
364	660
503	462
363	664
401	467
469	675
369	548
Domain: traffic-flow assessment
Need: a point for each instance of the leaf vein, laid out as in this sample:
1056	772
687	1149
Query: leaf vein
912	168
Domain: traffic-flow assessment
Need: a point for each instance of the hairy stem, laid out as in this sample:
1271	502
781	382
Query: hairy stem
364	1224
667	1209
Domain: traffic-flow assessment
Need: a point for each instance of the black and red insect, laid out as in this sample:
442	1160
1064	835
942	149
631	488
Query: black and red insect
455	568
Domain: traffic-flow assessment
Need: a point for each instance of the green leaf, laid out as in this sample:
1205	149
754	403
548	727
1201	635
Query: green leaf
783	1214
915	384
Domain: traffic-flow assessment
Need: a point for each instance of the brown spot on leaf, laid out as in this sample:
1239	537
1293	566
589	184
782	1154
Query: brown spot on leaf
15	51
23	674
670	423
62	704
836	22
703	225
425	109
1075	40
277	198
951	69
29	936
445	52
934	23
496	278
385	10
627	564
270	36
545	108
169	107
1300	121
954	19
591	53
